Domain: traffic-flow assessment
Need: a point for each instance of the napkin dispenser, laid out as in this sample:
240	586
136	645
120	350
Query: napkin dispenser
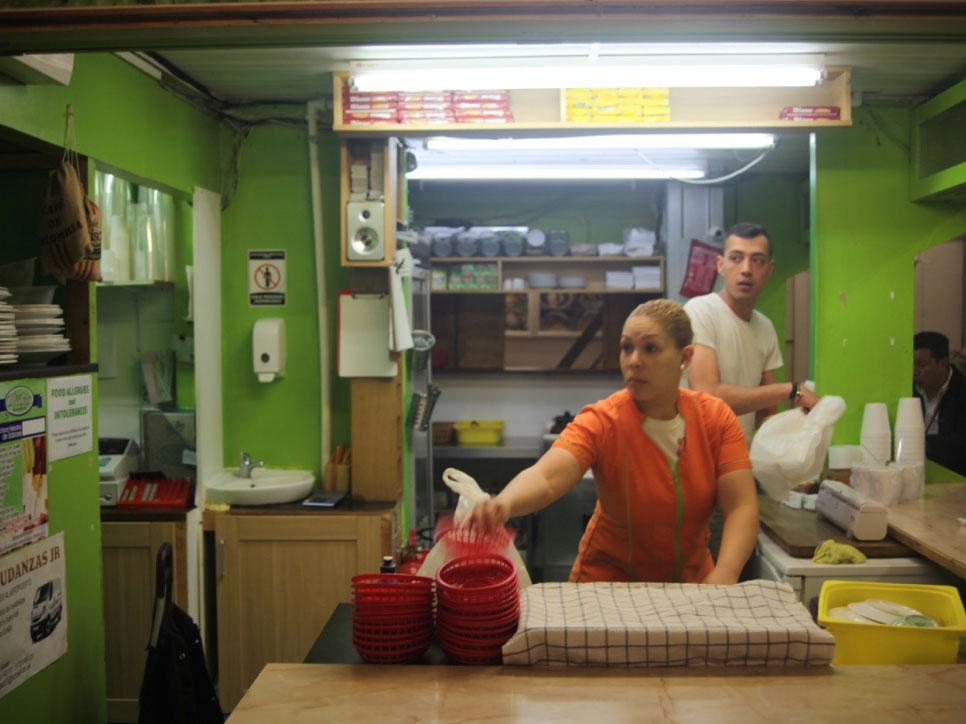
860	516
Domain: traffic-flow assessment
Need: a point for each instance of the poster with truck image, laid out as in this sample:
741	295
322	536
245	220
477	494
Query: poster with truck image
33	610
23	463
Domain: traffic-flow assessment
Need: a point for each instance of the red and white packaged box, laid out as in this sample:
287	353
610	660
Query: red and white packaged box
416	117
484	113
429	97
479	105
374	106
356	117
350	96
424	105
484	119
499	96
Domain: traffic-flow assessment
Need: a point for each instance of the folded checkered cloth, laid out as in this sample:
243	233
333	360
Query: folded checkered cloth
757	623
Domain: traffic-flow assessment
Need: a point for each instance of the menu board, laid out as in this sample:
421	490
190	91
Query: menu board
23	463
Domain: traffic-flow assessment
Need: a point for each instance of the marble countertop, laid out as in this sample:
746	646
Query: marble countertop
364	693
931	526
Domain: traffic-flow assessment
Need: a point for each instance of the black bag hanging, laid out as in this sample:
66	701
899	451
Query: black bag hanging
176	688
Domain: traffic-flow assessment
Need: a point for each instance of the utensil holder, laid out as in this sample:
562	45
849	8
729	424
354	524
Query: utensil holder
337	478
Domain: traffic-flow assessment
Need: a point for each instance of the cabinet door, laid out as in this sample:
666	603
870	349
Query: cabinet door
278	580
128	552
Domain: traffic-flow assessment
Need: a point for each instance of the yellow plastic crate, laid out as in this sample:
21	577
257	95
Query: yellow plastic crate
872	643
479	432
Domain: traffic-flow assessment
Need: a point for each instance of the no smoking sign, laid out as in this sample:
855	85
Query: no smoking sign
266	278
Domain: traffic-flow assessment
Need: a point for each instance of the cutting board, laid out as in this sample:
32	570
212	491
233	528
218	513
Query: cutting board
798	532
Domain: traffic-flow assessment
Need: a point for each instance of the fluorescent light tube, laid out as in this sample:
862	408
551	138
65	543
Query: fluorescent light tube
725	75
617	141
508	172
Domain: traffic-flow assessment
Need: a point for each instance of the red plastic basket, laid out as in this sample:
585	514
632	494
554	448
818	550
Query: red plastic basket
384	580
476	578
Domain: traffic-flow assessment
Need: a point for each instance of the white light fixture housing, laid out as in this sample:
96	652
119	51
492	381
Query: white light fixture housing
616	141
593	72
559	172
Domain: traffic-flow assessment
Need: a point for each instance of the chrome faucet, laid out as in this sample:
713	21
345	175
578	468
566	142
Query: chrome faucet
246	465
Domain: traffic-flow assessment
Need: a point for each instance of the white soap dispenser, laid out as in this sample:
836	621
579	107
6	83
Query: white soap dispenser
268	349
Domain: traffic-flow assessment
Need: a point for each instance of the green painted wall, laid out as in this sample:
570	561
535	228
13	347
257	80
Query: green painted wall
124	119
592	213
776	201
271	209
865	237
71	689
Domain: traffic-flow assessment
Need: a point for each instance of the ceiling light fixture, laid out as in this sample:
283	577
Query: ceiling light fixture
616	141
531	73
500	172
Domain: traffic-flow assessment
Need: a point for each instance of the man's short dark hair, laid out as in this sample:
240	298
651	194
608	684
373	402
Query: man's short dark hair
936	342
745	230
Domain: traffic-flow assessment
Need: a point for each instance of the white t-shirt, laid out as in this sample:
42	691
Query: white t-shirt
668	435
744	350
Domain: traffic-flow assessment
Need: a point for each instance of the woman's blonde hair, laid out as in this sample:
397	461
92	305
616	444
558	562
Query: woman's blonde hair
671	316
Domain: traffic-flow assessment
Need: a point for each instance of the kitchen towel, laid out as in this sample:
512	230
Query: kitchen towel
757	623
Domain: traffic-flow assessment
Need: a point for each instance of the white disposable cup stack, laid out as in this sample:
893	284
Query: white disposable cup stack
844	456
910	432
876	436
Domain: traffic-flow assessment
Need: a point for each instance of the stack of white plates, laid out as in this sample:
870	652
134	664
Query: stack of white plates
8	330
40	332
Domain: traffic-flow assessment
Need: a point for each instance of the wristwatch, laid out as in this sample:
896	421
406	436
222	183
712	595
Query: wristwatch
795	393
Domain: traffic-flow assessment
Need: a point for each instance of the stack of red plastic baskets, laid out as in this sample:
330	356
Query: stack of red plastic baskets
478	607
392	617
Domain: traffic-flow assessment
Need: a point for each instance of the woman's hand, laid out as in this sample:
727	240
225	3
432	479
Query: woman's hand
720	577
488	516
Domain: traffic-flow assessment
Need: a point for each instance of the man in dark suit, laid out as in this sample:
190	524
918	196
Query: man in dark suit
942	390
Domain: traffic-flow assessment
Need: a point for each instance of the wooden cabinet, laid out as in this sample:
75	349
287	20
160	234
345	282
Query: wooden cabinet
128	552
691	108
278	579
536	328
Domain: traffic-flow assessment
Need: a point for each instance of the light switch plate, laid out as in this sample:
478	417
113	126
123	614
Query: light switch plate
184	348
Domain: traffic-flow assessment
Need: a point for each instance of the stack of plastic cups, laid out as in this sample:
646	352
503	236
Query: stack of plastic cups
910	446
876	436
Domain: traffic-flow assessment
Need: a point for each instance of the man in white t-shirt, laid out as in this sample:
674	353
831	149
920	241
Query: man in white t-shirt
736	350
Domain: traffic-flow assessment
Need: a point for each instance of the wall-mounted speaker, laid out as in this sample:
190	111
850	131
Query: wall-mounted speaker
364	231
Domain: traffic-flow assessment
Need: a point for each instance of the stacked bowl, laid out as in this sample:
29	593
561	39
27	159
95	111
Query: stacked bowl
478	607
392	617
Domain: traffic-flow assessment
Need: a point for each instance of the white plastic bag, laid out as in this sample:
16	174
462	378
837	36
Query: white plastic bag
790	447
470	494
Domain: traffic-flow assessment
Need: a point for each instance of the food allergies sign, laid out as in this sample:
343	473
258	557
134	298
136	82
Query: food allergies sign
33	611
69	417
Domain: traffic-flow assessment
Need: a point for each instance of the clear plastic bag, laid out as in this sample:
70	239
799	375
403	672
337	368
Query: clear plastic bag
790	447
470	494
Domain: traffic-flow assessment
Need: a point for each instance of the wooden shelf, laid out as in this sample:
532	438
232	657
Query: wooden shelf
543	112
546	334
619	260
549	290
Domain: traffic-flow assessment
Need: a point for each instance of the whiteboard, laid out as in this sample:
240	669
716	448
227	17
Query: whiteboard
364	336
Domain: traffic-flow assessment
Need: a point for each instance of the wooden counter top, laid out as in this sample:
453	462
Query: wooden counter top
346	693
929	526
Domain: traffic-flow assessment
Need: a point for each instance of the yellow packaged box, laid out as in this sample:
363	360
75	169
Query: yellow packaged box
479	432
878	643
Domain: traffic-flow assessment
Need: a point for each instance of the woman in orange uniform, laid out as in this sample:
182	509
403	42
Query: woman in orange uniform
663	457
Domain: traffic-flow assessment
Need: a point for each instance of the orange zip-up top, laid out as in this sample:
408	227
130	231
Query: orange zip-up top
651	520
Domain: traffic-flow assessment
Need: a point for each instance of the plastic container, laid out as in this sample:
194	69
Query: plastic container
869	643
478	432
